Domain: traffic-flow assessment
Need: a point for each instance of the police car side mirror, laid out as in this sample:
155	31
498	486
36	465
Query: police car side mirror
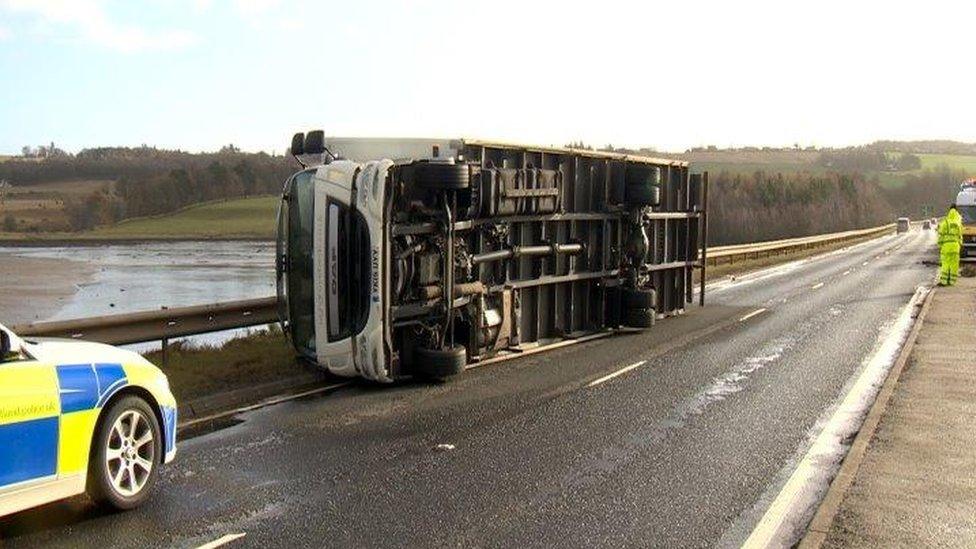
4	345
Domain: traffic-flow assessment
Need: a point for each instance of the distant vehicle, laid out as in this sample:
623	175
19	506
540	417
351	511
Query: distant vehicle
80	417
926	225
419	257
904	224
966	206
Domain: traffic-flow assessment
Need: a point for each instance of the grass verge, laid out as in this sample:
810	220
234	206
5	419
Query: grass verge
261	357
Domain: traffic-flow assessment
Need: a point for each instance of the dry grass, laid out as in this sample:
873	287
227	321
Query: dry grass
261	357
777	158
73	187
41	207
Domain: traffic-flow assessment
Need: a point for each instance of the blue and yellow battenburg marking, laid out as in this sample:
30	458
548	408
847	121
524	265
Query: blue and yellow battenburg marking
48	416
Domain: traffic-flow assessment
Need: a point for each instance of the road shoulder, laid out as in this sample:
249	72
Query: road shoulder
909	485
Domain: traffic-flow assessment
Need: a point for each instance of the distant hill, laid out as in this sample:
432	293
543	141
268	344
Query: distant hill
105	185
926	147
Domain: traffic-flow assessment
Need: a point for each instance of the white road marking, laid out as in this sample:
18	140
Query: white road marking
847	272
752	314
621	371
445	447
222	541
865	263
817	286
269	402
807	483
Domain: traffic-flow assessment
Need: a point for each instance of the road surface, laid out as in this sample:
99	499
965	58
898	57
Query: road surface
686	448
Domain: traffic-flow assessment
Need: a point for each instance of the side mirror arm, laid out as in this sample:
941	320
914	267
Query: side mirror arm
4	345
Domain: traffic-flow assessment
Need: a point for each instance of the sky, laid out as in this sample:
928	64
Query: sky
198	74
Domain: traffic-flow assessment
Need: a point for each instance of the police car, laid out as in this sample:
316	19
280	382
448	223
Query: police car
80	417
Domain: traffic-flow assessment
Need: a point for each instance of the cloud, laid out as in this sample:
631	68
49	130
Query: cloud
91	22
256	7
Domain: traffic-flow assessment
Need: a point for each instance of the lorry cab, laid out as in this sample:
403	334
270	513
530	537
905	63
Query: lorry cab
330	236
966	206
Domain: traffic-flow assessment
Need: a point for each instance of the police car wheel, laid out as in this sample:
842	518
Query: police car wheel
126	454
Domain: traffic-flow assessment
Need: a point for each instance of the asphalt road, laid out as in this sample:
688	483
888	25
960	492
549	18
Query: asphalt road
687	449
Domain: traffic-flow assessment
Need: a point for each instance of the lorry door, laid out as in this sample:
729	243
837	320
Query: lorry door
333	193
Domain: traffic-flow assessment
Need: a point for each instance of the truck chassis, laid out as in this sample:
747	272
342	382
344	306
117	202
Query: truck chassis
535	246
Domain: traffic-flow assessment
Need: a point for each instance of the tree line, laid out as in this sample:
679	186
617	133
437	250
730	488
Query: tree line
769	206
867	159
743	207
151	181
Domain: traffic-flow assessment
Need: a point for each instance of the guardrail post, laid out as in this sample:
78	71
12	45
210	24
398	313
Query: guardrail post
165	351
704	240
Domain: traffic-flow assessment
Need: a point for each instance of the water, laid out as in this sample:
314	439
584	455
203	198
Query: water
58	283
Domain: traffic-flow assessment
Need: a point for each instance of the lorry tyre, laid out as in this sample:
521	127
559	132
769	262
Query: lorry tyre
644	176
441	363
639	299
639	318
126	454
640	195
434	175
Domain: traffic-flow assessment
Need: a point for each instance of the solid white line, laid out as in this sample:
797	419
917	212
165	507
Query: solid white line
796	496
267	402
752	314
817	286
222	541
608	377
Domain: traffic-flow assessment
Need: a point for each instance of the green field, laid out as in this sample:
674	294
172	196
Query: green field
953	161
241	218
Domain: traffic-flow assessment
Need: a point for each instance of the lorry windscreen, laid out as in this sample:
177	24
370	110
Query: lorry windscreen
299	273
968	214
348	271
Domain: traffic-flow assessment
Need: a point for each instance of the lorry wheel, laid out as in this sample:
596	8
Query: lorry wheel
434	175
644	176
441	363
639	299
639	318
640	195
126	454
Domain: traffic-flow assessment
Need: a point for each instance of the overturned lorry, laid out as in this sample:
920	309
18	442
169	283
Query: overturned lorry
400	258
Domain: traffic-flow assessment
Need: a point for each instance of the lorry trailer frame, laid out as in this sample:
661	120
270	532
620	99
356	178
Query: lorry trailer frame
418	257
